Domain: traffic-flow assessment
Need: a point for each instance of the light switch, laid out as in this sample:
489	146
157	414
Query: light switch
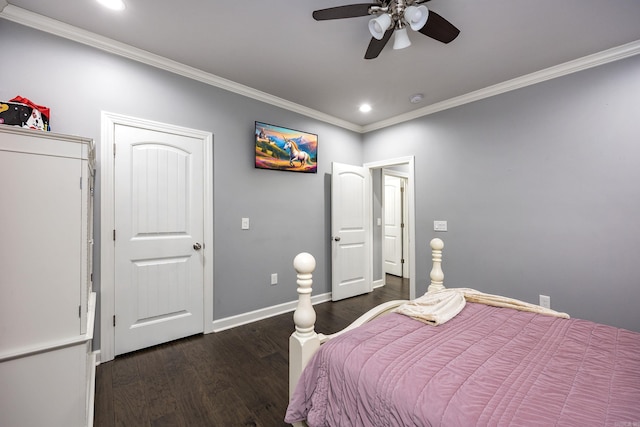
439	225
245	223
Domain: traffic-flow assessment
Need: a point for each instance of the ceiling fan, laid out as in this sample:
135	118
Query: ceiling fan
391	16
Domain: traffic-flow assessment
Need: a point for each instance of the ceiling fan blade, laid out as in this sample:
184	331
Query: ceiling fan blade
376	46
439	28
339	12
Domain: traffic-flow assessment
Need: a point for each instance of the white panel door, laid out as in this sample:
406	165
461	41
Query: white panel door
159	266
392	250
350	228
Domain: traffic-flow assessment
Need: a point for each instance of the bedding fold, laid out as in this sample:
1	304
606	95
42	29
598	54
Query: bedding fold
438	307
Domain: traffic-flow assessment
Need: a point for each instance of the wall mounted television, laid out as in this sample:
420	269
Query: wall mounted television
280	148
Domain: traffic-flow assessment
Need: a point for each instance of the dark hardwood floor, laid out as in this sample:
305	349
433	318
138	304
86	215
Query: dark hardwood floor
237	377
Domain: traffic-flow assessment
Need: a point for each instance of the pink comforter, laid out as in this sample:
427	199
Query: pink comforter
488	366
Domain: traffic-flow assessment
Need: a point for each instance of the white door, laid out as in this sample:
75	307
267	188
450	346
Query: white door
406	226
393	224
159	265
350	230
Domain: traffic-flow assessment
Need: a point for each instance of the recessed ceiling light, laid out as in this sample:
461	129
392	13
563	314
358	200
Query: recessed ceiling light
112	4
365	108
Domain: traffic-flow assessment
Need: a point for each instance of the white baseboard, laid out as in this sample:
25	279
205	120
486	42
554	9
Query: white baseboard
378	283
253	316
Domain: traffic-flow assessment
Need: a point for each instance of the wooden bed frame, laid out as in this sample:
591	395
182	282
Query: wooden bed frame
304	341
477	366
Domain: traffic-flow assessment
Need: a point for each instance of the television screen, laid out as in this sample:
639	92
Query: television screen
285	149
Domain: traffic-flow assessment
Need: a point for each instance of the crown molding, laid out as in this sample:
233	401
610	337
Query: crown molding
590	61
52	26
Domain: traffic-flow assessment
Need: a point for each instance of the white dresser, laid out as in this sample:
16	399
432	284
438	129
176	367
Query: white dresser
47	307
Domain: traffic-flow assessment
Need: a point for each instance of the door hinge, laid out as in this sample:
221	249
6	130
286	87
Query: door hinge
402	261
114	235
79	311
81	183
402	225
114	320
114	149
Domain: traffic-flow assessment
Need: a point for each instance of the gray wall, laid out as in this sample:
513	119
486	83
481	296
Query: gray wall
541	191
288	211
540	185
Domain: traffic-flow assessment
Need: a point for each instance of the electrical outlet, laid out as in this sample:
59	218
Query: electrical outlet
545	301
245	223
274	279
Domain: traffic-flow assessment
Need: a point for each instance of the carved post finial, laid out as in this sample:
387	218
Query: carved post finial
437	275
304	316
304	341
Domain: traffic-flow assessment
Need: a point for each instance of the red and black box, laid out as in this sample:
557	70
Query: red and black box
24	113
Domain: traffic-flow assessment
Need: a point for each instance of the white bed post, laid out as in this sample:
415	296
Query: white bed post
304	342
437	275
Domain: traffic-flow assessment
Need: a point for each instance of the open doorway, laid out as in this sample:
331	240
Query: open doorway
395	259
402	168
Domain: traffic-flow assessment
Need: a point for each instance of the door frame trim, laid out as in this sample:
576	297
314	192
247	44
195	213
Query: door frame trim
411	201
107	221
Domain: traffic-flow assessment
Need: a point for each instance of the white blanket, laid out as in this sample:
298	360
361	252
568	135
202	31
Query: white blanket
438	307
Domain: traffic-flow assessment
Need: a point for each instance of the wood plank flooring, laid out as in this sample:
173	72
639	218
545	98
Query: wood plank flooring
237	377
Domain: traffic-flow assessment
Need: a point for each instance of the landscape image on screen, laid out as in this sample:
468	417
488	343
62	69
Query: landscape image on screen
280	148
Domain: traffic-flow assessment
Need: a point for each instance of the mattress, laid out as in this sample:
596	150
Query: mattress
488	366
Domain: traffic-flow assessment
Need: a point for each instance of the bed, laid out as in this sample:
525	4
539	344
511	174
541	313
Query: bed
486	366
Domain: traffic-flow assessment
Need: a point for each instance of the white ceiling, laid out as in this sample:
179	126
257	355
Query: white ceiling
276	47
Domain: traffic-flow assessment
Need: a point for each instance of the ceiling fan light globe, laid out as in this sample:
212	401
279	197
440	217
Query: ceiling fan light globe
401	39
379	25
416	16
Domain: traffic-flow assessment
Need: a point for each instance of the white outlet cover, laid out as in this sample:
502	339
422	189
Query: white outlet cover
545	301
245	223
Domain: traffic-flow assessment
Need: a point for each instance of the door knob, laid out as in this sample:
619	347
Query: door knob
337	239
197	246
